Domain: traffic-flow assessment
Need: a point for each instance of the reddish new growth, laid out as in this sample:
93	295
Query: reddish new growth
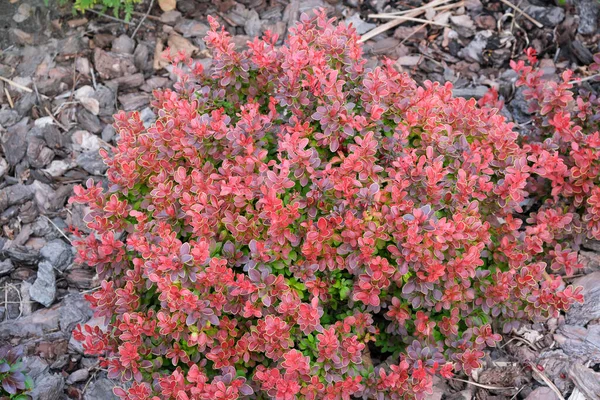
293	218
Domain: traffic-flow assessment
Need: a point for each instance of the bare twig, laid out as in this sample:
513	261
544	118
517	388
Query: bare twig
450	6
414	33
535	22
93	78
405	18
143	19
548	382
17	85
10	101
6	302
109	17
152	17
88	381
422	8
484	386
90	290
55	120
519	391
58	229
37	94
581	80
395	22
410	14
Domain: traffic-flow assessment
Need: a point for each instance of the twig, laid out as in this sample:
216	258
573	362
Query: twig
410	13
143	19
109	17
484	386
152	17
391	24
6	299
10	101
17	85
413	33
55	120
402	17
88	382
546	380
37	94
581	80
519	391
20	302
535	22
58	229
425	7
91	290
93	78
450	6
440	8
527	342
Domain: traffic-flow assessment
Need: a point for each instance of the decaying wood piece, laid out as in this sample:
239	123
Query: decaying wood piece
581	314
586	380
580	342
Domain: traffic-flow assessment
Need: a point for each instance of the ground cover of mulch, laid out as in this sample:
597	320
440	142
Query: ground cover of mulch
63	76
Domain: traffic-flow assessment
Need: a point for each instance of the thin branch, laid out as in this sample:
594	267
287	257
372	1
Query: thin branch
10	100
581	80
110	17
57	122
535	22
58	229
143	19
151	17
411	14
425	7
484	386
548	382
519	391
93	78
402	17
17	85
90	290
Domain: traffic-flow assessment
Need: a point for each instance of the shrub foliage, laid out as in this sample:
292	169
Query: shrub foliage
13	382
295	225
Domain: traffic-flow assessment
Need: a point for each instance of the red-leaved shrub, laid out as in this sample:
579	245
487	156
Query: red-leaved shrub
295	225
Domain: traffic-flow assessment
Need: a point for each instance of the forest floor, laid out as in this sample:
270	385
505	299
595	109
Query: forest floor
63	76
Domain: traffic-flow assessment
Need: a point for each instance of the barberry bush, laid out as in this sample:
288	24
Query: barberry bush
295	225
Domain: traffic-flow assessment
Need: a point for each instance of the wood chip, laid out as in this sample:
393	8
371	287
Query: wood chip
167	5
74	23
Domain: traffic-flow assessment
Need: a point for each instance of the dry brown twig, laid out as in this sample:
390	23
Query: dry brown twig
57	228
547	381
529	17
109	17
10	101
143	19
484	386
403	16
15	84
57	122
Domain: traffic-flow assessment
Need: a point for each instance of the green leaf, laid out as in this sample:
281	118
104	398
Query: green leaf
344	292
28	383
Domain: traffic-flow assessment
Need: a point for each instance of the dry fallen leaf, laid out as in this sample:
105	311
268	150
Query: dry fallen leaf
167	5
175	43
